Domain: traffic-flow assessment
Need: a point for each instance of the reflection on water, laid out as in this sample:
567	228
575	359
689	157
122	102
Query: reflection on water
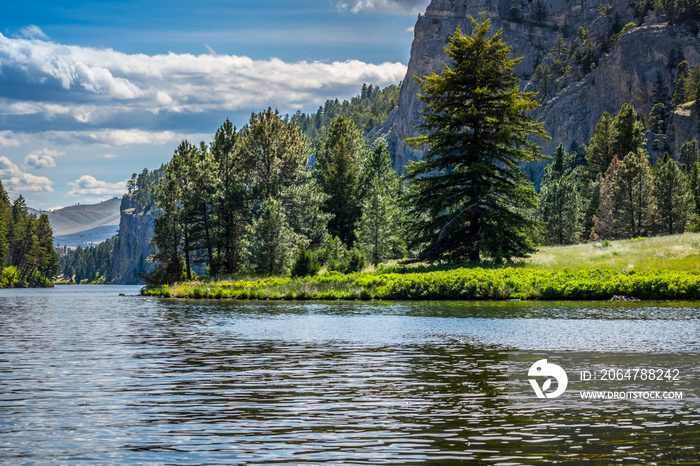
88	375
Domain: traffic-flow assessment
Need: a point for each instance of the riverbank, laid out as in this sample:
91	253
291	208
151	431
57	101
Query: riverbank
457	284
666	267
10	277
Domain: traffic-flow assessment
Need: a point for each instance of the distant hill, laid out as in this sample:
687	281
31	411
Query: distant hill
84	225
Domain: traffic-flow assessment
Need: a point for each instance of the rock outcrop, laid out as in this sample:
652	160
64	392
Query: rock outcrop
627	64
130	255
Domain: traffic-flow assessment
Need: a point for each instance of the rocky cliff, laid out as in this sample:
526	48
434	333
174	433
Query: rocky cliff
129	258
584	57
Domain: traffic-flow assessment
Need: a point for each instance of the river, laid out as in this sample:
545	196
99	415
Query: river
87	375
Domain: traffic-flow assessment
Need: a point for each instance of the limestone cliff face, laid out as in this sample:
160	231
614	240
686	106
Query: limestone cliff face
574	100
134	243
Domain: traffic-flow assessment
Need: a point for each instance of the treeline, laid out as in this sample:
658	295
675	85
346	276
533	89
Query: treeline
617	193
250	202
368	109
87	265
26	245
678	11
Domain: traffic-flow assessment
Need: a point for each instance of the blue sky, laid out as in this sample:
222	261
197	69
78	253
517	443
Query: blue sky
91	92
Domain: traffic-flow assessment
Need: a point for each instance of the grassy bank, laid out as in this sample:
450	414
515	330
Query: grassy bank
10	277
655	268
457	284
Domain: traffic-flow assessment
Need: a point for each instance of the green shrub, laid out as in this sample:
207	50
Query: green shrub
352	260
304	264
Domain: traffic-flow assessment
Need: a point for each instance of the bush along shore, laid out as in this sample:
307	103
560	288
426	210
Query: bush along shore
456	284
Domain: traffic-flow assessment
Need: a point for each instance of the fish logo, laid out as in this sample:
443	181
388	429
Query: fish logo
542	368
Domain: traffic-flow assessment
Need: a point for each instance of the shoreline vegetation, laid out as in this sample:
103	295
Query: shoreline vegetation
657	268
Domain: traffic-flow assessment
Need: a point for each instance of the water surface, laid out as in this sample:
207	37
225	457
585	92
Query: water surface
88	375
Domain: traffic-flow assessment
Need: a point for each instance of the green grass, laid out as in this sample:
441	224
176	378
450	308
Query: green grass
651	268
676	252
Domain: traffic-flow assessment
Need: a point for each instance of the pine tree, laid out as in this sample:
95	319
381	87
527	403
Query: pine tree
603	220
694	188
379	227
199	201
171	228
673	195
680	84
338	171
271	241
689	153
469	198
601	148
635	206
5	219
232	200
629	131
657	119
560	200
274	153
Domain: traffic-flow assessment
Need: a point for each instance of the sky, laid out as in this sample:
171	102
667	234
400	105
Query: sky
93	91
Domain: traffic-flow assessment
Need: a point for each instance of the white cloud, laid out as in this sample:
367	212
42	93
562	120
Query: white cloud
18	182
42	158
109	156
7	139
33	32
116	137
88	185
384	6
73	86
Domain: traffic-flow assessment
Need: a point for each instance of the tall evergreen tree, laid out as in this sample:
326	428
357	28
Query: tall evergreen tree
274	153
673	195
232	199
172	229
199	201
629	131
694	188
271	241
5	219
633	196
338	171
604	218
469	198
379	226
601	149
689	153
560	200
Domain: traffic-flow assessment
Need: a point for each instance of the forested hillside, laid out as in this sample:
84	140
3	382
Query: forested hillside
87	265
26	245
368	109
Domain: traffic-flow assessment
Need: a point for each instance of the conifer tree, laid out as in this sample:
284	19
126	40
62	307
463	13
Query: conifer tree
199	205
274	153
469	198
635	206
673	195
680	83
560	200
629	131
379	226
601	149
689	153
232	199
5	219
604	218
694	188
271	241
171	228
338	171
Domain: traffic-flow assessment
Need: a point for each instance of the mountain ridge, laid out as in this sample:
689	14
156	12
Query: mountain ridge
84	224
